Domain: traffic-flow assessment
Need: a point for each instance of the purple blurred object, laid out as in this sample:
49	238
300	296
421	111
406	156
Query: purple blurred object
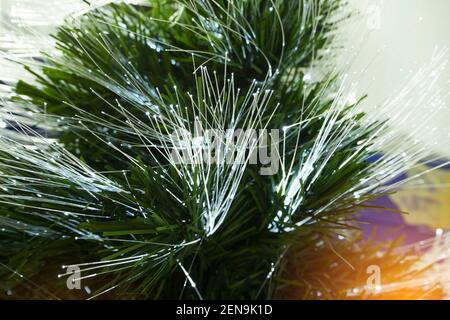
390	225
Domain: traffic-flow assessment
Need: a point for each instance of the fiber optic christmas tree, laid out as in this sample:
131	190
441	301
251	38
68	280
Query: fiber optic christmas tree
182	149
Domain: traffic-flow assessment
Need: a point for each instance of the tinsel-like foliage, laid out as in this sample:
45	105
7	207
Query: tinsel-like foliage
89	183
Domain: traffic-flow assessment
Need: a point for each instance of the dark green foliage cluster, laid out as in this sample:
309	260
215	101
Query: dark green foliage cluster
133	57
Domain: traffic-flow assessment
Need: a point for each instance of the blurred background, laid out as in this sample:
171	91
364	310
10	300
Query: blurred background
393	40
